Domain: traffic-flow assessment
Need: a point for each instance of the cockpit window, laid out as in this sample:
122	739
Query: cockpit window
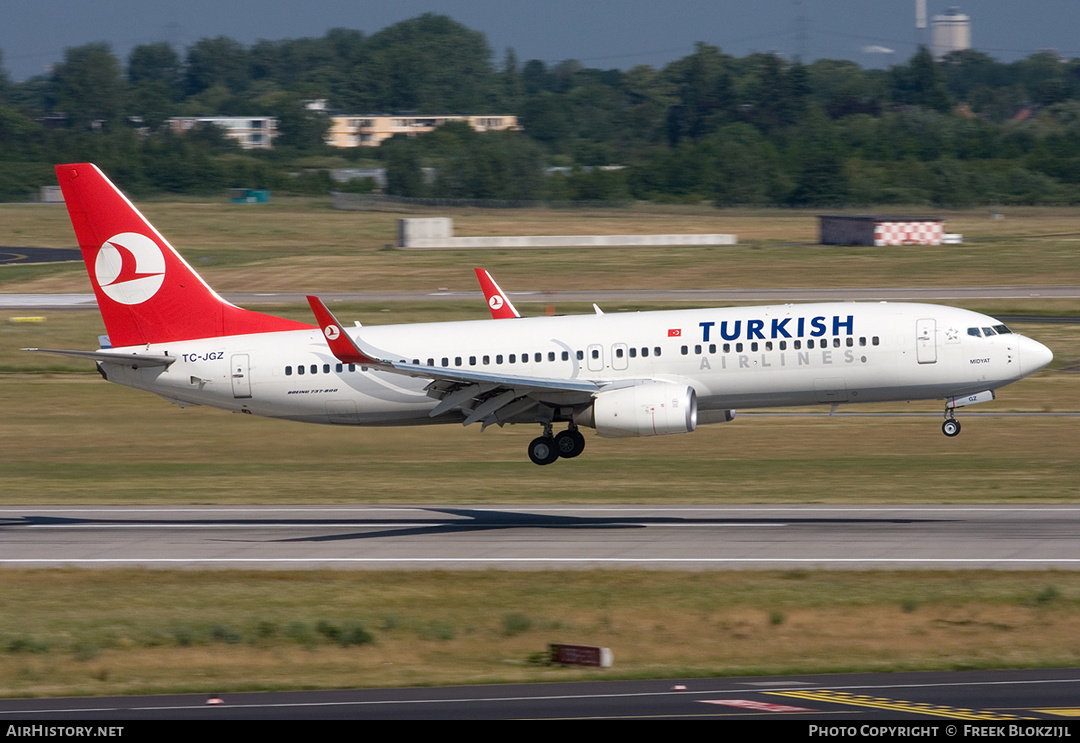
975	332
988	332
1002	329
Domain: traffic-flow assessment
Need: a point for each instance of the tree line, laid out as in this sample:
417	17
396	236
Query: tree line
708	127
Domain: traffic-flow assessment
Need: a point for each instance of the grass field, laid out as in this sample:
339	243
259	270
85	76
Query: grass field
68	437
301	244
74	632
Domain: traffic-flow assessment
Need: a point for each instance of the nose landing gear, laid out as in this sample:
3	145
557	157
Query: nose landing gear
951	426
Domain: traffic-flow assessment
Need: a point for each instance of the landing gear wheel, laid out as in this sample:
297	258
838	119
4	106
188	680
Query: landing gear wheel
542	450
950	427
570	443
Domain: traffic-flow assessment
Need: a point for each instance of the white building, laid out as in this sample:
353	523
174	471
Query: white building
371	130
251	132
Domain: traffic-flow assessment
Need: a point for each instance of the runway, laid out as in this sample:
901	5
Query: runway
604	298
1035	703
856	537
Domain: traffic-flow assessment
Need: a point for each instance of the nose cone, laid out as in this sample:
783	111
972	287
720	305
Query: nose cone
1033	355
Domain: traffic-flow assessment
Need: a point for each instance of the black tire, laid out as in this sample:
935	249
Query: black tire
569	444
542	450
950	428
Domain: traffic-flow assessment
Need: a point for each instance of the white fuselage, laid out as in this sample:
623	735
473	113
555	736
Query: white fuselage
743	357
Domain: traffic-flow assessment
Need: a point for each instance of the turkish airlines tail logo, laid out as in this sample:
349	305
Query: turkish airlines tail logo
130	268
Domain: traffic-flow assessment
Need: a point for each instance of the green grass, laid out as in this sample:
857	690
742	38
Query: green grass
302	243
76	632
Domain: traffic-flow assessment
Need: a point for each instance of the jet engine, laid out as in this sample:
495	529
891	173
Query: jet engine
648	409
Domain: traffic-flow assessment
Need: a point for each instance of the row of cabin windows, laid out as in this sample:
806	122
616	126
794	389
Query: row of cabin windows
538	357
796	345
512	358
315	368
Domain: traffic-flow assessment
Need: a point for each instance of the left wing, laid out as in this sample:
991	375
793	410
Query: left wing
488	397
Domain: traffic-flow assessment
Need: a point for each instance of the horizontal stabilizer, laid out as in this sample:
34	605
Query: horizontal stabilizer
110	357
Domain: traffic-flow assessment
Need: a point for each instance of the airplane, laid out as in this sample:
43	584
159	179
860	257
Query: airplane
627	374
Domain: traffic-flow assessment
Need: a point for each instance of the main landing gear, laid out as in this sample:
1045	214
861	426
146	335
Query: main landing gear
547	448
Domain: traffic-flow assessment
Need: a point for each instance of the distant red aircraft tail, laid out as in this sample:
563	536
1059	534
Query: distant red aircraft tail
146	292
498	302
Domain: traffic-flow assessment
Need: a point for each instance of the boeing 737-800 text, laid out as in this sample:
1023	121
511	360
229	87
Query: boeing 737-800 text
624	374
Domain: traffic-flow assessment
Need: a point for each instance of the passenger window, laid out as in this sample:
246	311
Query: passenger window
513	358
685	350
876	341
352	367
797	345
783	345
644	352
326	368
753	346
738	348
487	360
300	369
339	368
712	348
551	355
633	353
580	355
565	355
288	371
618	353
656	351
538	357
457	361
768	345
836	342
498	358
697	349
314	368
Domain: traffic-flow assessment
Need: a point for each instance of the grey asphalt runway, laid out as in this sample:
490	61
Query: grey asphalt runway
947	704
605	299
544	537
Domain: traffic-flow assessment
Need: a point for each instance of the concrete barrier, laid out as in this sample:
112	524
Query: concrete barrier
437	234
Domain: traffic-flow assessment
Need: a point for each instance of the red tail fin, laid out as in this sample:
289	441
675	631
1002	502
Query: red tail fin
498	302
146	292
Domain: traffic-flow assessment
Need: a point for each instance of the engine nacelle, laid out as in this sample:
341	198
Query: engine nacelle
649	409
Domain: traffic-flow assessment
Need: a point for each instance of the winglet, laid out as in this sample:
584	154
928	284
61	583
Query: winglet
497	301
342	346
